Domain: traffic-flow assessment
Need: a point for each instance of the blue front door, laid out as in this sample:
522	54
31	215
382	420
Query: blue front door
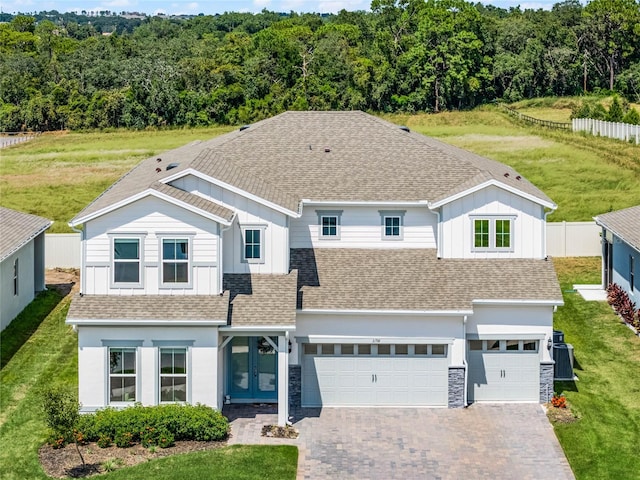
253	369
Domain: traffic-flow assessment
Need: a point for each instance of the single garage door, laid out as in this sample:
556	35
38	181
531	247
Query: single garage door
504	371
374	375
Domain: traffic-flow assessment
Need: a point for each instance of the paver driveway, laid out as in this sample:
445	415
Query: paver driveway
508	441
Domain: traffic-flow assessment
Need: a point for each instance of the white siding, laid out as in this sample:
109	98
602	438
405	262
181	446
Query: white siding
152	217
361	228
457	224
93	371
248	212
10	304
515	321
376	326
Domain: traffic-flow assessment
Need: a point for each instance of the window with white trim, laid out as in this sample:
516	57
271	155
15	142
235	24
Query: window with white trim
175	260
122	374
632	282
126	260
16	271
253	238
329	223
392	222
173	374
493	233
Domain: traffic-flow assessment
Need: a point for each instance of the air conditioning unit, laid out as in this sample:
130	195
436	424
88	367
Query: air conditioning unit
563	356
558	336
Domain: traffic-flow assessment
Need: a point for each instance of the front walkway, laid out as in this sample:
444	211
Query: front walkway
500	441
591	293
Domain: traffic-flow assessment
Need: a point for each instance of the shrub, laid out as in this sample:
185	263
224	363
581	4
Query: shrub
622	304
616	112
632	117
150	425
62	414
559	401
104	441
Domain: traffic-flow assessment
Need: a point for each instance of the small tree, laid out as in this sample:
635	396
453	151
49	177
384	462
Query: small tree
61	414
632	117
616	112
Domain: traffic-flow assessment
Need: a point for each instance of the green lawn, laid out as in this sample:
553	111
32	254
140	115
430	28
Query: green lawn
56	175
44	353
605	442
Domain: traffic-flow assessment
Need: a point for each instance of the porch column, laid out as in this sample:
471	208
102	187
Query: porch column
283	380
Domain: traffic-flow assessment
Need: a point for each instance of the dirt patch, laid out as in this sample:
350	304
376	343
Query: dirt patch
506	142
279	432
65	462
560	415
64	280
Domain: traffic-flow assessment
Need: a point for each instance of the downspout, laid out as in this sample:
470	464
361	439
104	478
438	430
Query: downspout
286	342
464	361
544	233
82	256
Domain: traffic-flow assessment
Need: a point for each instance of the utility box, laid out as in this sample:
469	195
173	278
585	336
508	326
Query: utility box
563	356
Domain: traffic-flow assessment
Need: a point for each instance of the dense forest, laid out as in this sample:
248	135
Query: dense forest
68	71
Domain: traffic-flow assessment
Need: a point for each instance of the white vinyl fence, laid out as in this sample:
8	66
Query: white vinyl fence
621	131
573	239
564	239
62	250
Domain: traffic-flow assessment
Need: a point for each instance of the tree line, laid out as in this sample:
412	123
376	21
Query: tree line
68	71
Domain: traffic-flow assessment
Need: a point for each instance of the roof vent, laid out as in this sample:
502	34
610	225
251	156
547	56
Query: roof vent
158	160
327	149
172	165
506	175
158	170
518	177
244	127
405	129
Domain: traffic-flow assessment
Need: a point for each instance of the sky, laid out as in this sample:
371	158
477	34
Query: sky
209	7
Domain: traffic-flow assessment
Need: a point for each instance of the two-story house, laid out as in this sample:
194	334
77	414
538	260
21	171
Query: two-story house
316	259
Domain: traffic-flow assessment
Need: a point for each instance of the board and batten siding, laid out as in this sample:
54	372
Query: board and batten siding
457	224
152	217
203	369
248	214
361	227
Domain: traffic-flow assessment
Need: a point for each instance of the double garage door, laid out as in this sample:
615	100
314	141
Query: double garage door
374	375
504	371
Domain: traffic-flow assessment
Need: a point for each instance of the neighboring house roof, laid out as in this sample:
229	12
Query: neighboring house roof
624	224
262	300
17	229
325	157
148	308
416	280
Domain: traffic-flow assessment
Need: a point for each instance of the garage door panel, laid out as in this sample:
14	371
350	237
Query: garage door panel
503	376
374	380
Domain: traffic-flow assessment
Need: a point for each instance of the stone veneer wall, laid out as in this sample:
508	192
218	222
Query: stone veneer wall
295	386
546	382
456	387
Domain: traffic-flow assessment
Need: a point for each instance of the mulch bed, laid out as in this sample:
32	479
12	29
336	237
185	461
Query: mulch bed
65	462
279	432
560	415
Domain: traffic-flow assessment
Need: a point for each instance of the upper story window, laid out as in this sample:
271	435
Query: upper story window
16	272
253	244
122	374
175	260
493	233
127	254
173	374
392	224
329	222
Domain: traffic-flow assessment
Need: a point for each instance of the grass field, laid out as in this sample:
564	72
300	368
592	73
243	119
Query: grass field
43	353
604	442
59	174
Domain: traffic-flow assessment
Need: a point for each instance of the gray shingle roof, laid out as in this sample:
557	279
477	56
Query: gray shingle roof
358	279
195	201
262	300
625	224
17	228
325	156
149	307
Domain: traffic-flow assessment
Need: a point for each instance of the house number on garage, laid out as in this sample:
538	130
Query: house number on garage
375	340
